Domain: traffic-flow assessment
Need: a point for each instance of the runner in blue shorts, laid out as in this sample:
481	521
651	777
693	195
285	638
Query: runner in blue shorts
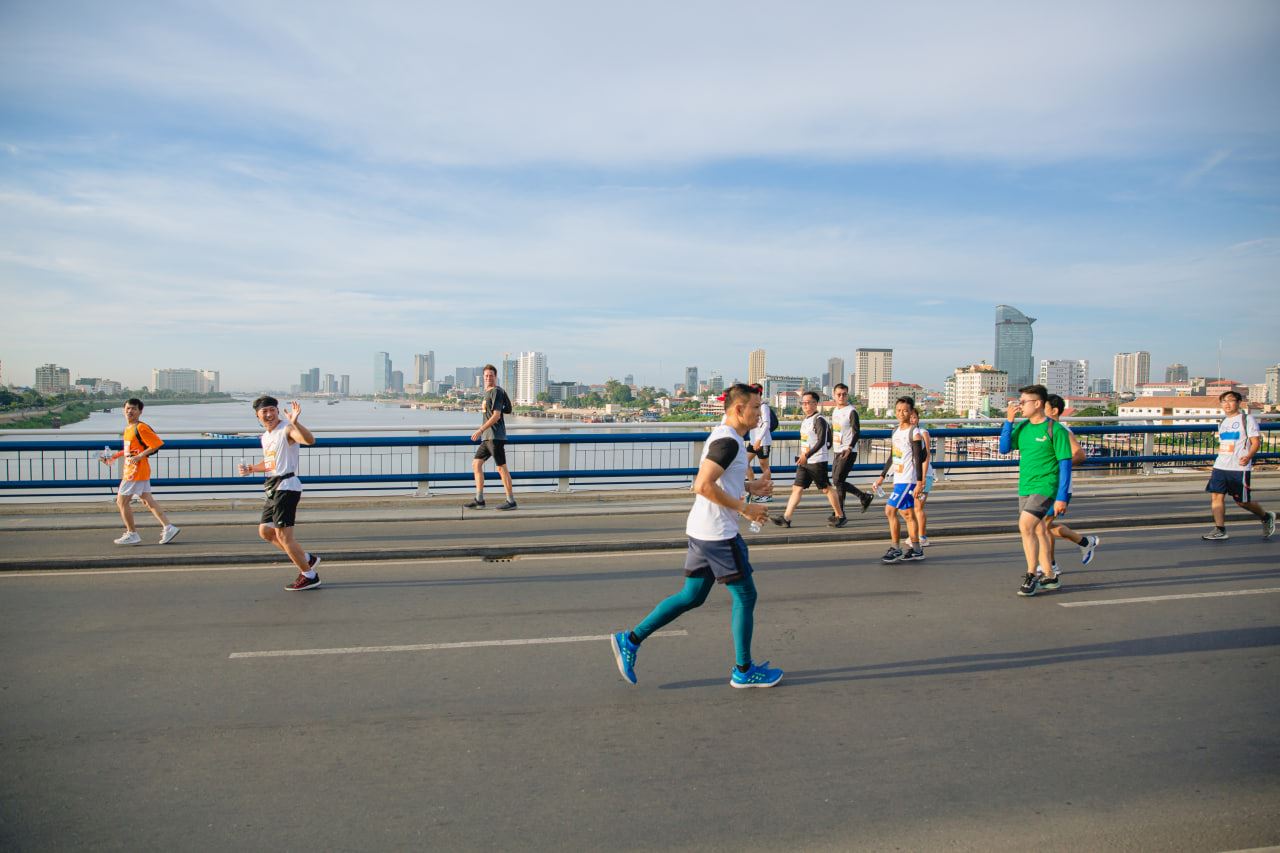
907	458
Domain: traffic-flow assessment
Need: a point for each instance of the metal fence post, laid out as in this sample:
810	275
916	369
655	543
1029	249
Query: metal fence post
565	460
1148	449
424	466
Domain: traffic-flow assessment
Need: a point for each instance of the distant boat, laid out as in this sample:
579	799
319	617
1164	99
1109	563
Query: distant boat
333	402
221	435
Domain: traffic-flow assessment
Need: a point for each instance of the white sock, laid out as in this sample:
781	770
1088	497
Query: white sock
309	574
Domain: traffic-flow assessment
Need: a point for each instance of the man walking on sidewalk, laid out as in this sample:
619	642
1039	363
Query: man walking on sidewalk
140	442
493	437
717	552
284	490
1044	478
846	429
1239	440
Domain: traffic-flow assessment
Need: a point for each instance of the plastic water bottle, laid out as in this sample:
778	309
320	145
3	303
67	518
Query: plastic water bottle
756	526
880	492
240	466
105	455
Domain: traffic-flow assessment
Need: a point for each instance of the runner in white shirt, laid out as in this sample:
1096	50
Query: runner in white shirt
846	429
717	552
1239	440
811	464
284	490
760	443
907	458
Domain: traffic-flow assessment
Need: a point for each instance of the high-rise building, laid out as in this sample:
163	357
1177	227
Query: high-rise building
330	384
313	376
1014	342
716	383
1177	373
976	388
755	367
510	371
835	371
381	372
871	365
691	381
51	379
344	384
1273	384
775	385
629	379
304	383
1131	370
531	377
397	381
424	367
185	379
1101	387
1068	377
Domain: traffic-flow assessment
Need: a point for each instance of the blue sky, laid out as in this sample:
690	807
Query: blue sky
262	188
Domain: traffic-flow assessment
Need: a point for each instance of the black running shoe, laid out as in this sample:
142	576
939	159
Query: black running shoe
508	505
476	504
893	555
1030	585
913	555
1051	583
781	521
838	522
866	501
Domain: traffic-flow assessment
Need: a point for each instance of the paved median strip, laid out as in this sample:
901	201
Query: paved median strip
431	647
1148	598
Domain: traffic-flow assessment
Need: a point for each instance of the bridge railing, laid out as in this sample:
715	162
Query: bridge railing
41	463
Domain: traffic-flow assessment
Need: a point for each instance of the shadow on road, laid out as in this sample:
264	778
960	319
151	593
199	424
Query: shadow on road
1173	644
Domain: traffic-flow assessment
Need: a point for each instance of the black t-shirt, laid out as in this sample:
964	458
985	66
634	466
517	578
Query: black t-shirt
496	400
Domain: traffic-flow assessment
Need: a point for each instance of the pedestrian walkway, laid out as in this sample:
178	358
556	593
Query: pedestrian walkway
78	536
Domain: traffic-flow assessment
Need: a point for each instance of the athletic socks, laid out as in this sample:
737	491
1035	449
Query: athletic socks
310	574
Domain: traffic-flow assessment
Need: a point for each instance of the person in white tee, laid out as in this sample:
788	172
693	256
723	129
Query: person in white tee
717	552
760	442
907	459
811	464
1239	440
280	463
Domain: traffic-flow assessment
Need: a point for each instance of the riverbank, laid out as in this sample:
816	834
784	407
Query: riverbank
67	414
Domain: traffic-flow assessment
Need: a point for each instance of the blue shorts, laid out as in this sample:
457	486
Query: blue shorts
1238	484
903	497
722	559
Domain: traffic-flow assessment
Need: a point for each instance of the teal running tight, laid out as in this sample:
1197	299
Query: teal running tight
695	592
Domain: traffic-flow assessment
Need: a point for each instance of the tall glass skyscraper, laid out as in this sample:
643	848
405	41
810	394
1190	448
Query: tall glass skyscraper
1014	340
381	372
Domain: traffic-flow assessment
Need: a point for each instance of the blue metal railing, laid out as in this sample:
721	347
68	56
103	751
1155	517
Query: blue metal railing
560	459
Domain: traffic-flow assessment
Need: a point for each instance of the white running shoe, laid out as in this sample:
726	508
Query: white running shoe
924	541
170	533
129	538
1269	525
1090	544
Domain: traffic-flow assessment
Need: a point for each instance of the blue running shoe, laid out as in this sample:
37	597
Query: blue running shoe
624	652
759	675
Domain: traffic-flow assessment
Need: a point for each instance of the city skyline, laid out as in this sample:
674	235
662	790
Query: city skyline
287	194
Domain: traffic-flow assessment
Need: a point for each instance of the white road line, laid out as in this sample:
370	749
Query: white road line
1148	598
430	647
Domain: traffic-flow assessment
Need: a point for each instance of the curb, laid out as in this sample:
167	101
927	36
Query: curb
496	554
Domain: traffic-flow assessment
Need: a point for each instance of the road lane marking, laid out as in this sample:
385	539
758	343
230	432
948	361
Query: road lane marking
431	647
1148	598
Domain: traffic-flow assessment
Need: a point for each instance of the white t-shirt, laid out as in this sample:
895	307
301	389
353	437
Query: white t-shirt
1233	441
712	522
841	428
760	433
282	457
904	454
813	439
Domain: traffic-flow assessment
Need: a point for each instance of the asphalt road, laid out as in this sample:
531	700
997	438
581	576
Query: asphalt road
925	706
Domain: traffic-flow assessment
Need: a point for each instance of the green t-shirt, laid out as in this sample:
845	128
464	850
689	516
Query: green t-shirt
1039	455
